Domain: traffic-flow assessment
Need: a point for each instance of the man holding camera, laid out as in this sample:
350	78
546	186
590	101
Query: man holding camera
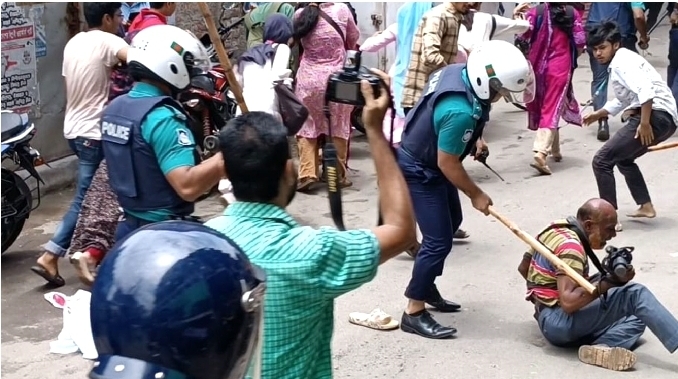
444	127
607	324
307	268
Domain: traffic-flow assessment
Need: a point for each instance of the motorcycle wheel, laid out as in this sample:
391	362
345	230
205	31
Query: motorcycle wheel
16	197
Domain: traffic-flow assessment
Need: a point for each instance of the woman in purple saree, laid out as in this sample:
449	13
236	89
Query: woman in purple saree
556	38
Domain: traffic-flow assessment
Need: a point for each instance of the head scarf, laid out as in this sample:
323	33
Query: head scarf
277	29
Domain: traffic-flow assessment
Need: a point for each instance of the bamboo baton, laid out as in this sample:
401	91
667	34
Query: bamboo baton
663	146
223	56
541	249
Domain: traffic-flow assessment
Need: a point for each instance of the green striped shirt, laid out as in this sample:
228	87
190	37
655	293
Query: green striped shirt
306	270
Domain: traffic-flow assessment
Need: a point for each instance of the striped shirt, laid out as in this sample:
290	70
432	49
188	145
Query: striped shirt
542	275
434	46
306	270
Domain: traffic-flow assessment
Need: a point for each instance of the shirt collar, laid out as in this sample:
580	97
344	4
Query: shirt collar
147	89
263	211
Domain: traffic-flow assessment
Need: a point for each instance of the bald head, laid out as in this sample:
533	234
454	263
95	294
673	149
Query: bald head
598	218
596	210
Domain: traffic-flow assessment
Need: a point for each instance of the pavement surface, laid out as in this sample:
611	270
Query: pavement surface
498	337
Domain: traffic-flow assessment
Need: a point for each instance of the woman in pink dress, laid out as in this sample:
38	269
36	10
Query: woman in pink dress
553	50
324	51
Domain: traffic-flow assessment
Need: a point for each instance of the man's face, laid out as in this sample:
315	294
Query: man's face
601	229
112	24
605	52
169	9
462	8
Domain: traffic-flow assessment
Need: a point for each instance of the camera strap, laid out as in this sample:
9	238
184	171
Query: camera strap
331	164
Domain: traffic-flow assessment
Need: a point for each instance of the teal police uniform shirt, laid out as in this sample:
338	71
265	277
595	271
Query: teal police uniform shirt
455	120
165	130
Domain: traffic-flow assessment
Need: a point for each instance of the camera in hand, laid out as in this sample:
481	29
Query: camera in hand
344	86
618	260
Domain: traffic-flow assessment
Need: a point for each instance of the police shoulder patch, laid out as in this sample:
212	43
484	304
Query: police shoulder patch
468	133
183	138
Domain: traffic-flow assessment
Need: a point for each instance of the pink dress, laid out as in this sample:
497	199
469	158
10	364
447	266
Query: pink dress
551	58
324	54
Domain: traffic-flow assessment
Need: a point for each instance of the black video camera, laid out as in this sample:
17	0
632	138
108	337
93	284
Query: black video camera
618	260
344	86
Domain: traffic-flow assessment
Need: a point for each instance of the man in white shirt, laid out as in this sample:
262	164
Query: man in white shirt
88	59
649	112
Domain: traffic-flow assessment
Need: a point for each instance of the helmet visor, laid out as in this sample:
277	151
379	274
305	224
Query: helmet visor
523	93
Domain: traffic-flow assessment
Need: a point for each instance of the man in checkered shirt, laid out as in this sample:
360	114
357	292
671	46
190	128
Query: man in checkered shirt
434	47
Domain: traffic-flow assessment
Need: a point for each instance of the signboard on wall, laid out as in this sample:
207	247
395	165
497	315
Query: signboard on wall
19	73
35	13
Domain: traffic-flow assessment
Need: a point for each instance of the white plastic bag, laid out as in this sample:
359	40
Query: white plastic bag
76	333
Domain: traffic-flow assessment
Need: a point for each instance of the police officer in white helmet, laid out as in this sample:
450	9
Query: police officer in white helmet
440	131
147	143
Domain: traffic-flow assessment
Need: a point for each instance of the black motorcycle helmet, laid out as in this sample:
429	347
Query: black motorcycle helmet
176	300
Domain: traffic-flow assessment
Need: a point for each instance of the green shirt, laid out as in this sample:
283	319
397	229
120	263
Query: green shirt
453	122
306	270
165	130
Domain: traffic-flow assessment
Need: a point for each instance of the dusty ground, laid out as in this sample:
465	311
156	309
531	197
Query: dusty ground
498	337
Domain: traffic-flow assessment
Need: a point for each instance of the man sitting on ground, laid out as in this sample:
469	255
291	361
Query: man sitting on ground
607	324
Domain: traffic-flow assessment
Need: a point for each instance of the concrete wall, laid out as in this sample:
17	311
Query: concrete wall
48	112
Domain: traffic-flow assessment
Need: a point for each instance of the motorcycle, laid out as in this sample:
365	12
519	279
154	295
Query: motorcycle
17	198
209	106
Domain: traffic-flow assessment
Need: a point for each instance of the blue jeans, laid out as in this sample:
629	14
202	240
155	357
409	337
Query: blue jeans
90	154
618	322
438	212
672	69
600	74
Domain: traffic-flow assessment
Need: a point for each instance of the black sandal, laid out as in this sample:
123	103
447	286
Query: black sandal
55	280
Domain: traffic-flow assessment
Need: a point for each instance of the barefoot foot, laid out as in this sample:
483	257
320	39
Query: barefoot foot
645	210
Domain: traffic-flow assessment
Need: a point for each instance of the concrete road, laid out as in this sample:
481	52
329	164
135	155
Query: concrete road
498	338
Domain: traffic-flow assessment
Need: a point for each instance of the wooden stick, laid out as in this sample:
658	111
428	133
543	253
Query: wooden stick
663	146
541	249
223	56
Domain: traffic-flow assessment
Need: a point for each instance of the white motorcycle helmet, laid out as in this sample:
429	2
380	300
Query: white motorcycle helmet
169	54
500	66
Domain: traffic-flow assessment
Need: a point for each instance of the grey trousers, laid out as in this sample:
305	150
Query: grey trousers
619	322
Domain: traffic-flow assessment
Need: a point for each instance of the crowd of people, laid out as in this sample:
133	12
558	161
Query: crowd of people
197	307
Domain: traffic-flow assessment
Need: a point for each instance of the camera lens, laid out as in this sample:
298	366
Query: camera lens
620	270
620	266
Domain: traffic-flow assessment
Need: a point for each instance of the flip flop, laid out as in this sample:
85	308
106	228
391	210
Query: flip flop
54	280
377	319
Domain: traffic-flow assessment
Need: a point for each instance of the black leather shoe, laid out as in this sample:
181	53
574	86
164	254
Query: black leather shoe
603	131
444	306
424	325
436	300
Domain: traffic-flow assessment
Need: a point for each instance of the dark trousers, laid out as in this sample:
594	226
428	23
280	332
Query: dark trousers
599	71
128	225
672	69
618	321
438	212
622	150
